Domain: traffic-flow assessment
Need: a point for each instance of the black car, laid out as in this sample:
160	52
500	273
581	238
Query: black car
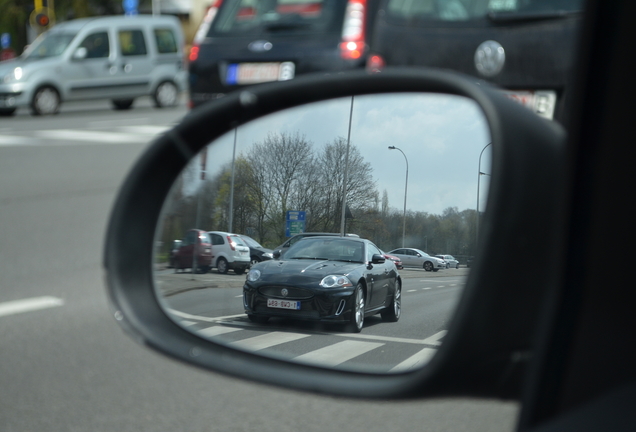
525	46
333	279
258	253
275	40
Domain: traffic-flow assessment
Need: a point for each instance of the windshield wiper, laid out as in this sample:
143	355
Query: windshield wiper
505	17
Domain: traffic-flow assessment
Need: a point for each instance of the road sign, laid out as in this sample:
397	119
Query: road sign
295	222
130	7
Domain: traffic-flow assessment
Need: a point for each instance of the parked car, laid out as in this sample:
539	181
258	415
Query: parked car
118	58
526	47
176	244
334	279
195	252
258	253
411	257
230	252
253	42
450	261
397	261
280	250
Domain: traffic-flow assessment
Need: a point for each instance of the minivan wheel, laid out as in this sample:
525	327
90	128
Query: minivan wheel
122	104
221	265
166	95
46	101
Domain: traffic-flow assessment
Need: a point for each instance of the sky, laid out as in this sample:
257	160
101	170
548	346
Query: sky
442	137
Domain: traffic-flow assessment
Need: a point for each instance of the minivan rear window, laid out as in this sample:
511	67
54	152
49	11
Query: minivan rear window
278	16
462	10
166	41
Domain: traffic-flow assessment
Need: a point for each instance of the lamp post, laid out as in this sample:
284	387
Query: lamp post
479	174
406	184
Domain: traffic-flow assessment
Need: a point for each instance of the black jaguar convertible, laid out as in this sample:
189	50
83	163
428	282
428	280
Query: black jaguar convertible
337	279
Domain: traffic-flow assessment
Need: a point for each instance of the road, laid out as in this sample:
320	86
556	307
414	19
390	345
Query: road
66	366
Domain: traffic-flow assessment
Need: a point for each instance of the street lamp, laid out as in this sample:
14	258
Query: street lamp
406	183
479	174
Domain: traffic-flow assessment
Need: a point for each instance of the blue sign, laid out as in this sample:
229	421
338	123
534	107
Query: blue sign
5	40
295	223
130	6
296	215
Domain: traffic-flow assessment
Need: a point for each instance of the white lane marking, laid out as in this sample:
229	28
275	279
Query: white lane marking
238	296
216	331
415	361
441	286
202	318
11	140
426	288
435	339
145	130
186	323
337	353
267	340
28	305
79	135
411	290
118	122
385	338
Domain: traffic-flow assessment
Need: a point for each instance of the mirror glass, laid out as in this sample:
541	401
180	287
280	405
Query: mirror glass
235	261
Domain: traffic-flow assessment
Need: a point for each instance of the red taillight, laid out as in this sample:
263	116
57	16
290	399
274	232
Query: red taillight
375	63
353	44
231	242
194	53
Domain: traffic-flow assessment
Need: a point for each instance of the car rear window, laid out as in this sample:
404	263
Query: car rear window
278	16
462	10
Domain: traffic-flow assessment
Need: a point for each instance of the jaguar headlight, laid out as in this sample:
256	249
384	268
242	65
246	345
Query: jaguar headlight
335	281
253	275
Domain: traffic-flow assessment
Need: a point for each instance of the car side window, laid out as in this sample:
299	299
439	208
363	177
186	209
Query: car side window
217	239
166	41
97	45
189	238
132	43
371	250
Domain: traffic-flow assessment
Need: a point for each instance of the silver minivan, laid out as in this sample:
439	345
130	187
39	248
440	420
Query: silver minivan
117	58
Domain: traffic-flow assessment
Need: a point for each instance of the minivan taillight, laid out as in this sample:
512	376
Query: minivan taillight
375	63
194	53
353	31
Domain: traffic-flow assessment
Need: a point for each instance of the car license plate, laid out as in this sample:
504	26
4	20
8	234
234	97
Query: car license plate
283	304
252	73
541	102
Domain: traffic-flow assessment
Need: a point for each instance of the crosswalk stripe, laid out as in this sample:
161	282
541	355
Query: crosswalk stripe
29	305
337	353
12	140
435	339
145	129
415	361
85	135
266	341
216	331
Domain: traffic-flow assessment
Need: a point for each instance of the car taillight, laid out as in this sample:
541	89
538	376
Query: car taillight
194	53
375	63
353	31
231	242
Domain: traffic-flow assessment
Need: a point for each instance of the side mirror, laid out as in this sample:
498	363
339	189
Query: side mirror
491	331
277	253
377	259
80	53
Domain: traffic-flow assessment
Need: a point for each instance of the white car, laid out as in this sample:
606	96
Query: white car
229	251
416	258
450	261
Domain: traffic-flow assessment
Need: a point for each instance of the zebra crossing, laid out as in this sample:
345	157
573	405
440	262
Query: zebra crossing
132	134
329	349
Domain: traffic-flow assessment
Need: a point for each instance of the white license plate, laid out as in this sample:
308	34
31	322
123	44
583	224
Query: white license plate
283	304
541	102
252	73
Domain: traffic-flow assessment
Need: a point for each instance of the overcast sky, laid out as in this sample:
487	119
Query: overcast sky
441	135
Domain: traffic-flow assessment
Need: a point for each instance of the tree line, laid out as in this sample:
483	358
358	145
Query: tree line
284	172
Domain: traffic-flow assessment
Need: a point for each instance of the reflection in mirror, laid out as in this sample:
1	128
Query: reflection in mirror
414	170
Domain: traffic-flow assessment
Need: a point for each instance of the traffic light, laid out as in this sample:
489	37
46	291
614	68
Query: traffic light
42	19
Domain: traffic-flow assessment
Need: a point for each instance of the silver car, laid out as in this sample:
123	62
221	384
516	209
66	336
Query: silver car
450	261
416	258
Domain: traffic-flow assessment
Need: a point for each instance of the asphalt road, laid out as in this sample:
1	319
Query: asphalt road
64	363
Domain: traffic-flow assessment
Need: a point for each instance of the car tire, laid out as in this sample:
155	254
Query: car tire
46	101
203	269
356	321
122	104
428	266
393	310
457	266
239	271
166	95
447	265
254	260
7	112
257	319
221	265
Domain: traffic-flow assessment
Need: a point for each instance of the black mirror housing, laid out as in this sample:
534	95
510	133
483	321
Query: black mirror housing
491	336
